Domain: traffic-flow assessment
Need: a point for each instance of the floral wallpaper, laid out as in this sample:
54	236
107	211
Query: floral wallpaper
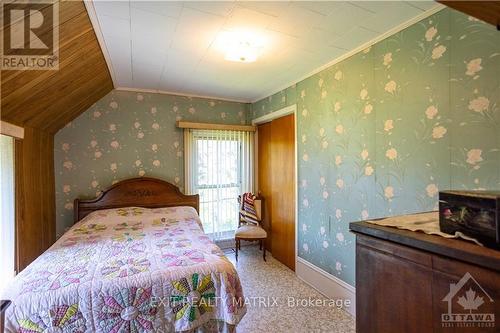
383	131
128	134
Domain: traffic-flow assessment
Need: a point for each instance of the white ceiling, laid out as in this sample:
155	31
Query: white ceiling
171	46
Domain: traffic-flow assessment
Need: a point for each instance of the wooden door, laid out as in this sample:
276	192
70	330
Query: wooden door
276	172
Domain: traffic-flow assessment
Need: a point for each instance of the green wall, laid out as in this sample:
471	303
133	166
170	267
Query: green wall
128	134
381	132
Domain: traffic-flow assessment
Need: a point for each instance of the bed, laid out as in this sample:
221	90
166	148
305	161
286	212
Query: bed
136	260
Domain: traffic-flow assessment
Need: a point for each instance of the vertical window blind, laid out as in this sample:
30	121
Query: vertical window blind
7	209
218	167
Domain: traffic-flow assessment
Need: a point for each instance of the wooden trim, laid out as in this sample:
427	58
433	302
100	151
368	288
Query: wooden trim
291	109
207	126
182	94
9	129
136	192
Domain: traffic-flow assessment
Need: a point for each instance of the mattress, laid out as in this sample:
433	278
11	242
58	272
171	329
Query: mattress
128	270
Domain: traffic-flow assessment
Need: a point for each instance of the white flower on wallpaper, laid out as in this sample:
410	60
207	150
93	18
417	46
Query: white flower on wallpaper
338	213
438	52
140	135
322	230
304	113
369	170
93	143
387	58
68	165
175	108
97	114
388	125
156	163
389	192
179	153
303	183
431	190
66	188
304	227
340	183
138	163
474	156
325	244
321	131
320	82
177	180
176	144
113	167
479	104
223	115
112	127
98	154
302	94
305	157
339	129
430	33
65	147
153	110
363	94
155	126
340	237
325	194
368	109
68	206
473	67
390	87
338	160
141	173
212	103
438	132
364	214
114	144
338	75
324	93
137	125
337	106
367	50
113	105
140	97
305	247
94	183
154	147
322	181
431	112
391	153
304	138
324	144
364	154
338	266
305	202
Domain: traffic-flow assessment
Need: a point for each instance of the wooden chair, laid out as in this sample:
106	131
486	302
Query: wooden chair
251	233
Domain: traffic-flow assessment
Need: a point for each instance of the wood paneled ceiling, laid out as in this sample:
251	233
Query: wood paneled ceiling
49	99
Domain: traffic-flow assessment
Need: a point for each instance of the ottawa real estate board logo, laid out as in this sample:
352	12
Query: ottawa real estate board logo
29	35
469	305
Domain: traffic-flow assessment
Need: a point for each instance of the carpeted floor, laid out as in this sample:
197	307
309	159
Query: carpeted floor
276	287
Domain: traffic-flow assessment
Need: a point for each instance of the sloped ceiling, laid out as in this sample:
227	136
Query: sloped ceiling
48	100
178	47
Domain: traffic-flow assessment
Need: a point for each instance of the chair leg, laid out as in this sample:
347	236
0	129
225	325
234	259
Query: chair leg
237	244
264	250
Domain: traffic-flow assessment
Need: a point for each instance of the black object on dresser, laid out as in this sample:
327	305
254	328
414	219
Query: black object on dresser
473	213
409	281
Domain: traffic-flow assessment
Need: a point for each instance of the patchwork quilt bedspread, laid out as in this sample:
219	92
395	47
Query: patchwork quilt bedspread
128	270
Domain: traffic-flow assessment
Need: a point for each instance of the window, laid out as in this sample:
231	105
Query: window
218	168
7	212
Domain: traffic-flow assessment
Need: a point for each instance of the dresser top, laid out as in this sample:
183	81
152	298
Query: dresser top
454	248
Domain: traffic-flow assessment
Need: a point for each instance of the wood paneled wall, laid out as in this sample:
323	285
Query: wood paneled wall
43	102
35	204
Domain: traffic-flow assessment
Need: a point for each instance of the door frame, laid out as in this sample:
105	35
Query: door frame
291	109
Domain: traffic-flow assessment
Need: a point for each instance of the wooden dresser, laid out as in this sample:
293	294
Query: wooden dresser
404	283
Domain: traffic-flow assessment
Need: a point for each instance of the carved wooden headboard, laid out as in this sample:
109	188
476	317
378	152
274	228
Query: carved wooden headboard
136	192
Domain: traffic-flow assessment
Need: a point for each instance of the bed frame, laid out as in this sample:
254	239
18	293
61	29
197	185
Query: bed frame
136	192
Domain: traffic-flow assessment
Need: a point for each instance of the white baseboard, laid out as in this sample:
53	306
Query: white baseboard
327	284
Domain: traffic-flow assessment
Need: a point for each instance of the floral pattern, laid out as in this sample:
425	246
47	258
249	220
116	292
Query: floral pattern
388	128
125	267
192	297
61	318
128	134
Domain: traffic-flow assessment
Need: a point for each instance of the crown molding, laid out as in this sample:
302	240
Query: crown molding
388	33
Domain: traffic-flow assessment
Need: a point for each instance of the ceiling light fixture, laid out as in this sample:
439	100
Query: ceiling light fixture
240	46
